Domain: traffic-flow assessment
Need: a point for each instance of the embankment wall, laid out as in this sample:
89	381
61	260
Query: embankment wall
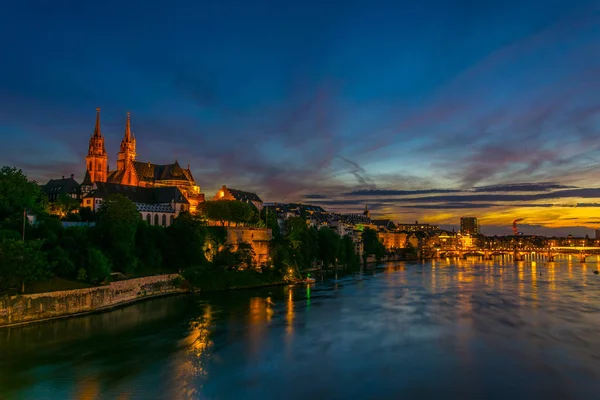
19	309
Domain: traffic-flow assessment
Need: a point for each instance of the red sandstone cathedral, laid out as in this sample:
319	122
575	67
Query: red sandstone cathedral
132	172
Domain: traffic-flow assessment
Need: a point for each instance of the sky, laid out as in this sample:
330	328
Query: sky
427	111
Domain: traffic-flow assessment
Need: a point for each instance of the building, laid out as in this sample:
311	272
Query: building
384	225
258	238
416	227
597	234
393	240
131	172
157	206
226	193
469	226
64	186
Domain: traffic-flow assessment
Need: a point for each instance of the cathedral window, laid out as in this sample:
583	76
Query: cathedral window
156	219
148	219
172	219
164	220
141	216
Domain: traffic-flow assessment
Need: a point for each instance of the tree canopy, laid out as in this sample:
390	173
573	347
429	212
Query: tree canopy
117	223
17	193
228	212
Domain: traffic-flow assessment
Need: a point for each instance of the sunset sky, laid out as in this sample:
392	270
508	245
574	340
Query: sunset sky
424	110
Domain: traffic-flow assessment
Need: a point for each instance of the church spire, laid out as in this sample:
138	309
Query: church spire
97	128
96	160
128	128
127	151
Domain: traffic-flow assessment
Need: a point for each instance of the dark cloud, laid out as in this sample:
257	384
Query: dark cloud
522	187
465	197
450	206
393	192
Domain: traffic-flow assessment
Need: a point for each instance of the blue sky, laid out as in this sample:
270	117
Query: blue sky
317	98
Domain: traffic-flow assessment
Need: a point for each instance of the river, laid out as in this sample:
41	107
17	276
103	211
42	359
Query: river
436	329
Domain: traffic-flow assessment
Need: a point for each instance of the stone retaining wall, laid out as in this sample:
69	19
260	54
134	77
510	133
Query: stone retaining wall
33	307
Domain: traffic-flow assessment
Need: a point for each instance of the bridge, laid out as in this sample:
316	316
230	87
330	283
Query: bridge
520	254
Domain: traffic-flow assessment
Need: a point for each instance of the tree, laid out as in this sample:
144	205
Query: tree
217	211
98	266
149	243
303	242
245	256
65	205
186	239
17	193
270	218
346	254
227	212
328	245
22	262
87	214
372	245
117	224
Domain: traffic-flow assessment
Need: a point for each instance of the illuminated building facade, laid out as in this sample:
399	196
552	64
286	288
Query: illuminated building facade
131	172
226	193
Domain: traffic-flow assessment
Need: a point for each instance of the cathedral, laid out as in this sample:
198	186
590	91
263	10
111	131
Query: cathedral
132	172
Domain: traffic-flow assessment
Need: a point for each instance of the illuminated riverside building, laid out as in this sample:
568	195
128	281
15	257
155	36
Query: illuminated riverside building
416	227
469	226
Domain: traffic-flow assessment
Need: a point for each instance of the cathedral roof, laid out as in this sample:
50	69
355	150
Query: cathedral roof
138	194
169	172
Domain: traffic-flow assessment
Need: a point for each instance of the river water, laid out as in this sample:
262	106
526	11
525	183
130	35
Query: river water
437	329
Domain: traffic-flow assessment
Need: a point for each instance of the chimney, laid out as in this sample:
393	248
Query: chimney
416	222
63	177
72	176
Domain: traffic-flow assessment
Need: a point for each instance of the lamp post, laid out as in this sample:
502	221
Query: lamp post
24	219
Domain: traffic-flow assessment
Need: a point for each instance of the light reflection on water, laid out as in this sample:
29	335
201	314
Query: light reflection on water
441	329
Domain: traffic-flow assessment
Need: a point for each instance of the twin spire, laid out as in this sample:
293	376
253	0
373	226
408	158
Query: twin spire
128	136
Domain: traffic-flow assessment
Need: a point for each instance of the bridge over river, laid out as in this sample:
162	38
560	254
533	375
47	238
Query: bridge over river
520	254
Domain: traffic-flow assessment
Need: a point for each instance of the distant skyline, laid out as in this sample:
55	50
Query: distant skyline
425	111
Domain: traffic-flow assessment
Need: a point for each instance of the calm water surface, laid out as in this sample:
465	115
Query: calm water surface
441	329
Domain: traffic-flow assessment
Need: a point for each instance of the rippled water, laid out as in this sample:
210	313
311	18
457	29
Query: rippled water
434	330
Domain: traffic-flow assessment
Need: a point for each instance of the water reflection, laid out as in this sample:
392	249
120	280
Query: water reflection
529	328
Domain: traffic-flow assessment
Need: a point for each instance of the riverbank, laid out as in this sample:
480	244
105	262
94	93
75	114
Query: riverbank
27	308
39	307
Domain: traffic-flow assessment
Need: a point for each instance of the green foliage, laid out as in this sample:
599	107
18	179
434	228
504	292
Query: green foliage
61	262
150	247
239	259
98	266
116	228
81	275
21	263
270	218
185	240
16	194
223	279
87	214
346	254
228	212
65	205
372	245
328	243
